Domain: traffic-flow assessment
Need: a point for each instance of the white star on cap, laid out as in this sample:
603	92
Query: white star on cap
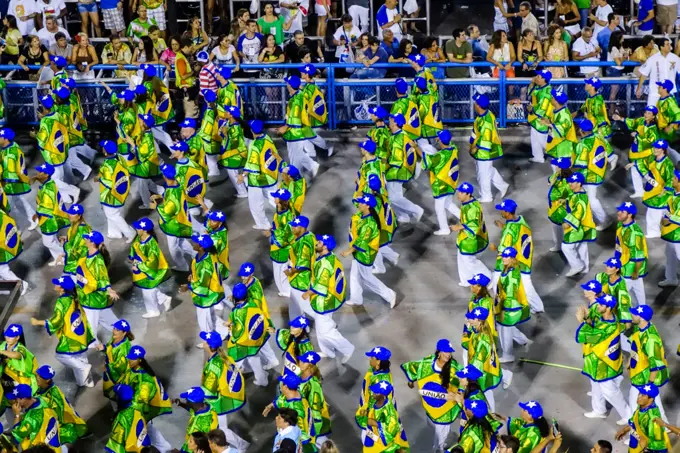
640	309
15	329
247	269
383	385
50	370
190	390
366	199
142	224
325	237
473	405
219	215
476	278
232	108
15	392
76	208
296	221
61	280
503	204
464	370
137	352
628	204
648	388
591	286
303	321
124	324
465	186
280	191
531	404
208	335
310	356
308	68
608	298
559	159
478	312
615	261
376	350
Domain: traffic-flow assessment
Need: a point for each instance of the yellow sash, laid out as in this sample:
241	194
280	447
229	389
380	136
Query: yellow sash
84	278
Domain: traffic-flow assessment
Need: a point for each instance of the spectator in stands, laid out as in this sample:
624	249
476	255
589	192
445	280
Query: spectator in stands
361	48
586	49
117	52
359	11
112	10
435	54
374	54
616	52
500	20
225	52
605	34
529	53
583	11
292	49
347	34
89	12
207	75
661	66
47	34
501	54
292	10
185	78
13	40
529	21
601	17
33	54
84	56
272	23
144	52
155	9
568	10
646	50
219	444
23	11
556	49
159	44
169	54
459	50
479	46
140	26
323	13
388	43
62	48
47	8
388	17
666	14
249	46
406	48
644	24
241	24
271	53
199	38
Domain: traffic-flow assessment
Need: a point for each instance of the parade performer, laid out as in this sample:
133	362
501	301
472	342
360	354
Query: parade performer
190	177
657	177
13	176
612	283
590	160
595	110
668	118
381	425
429	111
558	194
483	356
216	227
209	132
370	166
670	233
71	115
50	212
562	133
311	390
161	103
228	93
540	107
290	398
114	187
380	134
294	342
190	134
478	435
406	106
292	180
280	239
146	161
479	288
74	242
202	418
469	388
233	149
578	227
317	112
299	271
531	428
115	356
10	248
35	424
19	363
645	434
444	168
129	429
388	225
485	147
631	249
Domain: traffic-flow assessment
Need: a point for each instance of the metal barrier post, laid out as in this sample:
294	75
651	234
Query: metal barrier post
330	99
502	98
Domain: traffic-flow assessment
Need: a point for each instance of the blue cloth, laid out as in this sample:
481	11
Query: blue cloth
381	16
109	4
603	41
391	51
370	73
477	50
292	433
643	10
584	12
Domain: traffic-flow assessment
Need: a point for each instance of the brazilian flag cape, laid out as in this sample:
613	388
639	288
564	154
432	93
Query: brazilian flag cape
289	344
128	432
317	113
407	106
190	177
512	305
115	361
114	182
643	426
366	399
562	138
262	162
69	324
429	111
483	355
152	267
92	282
517	234
473	439
328	284
647	355
603	358
444	168
248	331
617	289
558	193
18	371
53	139
74	247
39	425
223	384
591	159
657	178
671	232
206	281
202	421
71	426
310	389
10	239
389	435
150	397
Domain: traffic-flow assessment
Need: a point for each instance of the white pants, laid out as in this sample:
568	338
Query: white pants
535	301
309	147
638	189
161	136
179	248
95	318
538	144
672	257
577	255
6	273
213	168
256	197
441	432
281	279
152	299
469	265
599	215
21	203
73	161
205	318
636	289
196	226
632	401
387	253
117	226
233	439
507	337
78	363
299	306
319	141
299	158
443	204
255	364
653	218
240	187
143	187
68	192
157	439
361	277
402	206
267	355
609	392
557	234
487	174
52	243
85	151
359	15
329	337
488	394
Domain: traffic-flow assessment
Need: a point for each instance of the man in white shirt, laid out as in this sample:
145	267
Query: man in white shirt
296	9
249	45
599	19
46	35
46	8
388	17
348	33
24	11
659	67
586	49
529	21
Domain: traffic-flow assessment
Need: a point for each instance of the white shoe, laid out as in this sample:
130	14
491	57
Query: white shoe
555	249
129	240
636	195
77	196
315	170
56	262
536	161
284	295
330	151
113	237
506	359
144	207
323	355
573	272
603	226
589	393
377	271
166	303
90	382
506	384
420	215
667	283
622	422
261	384
151	314
594	414
352	302
241	195
199	345
346	359
24	287
612	164
486	200
33	225
393	302
396	260
505	191
261	228
464	285
652	236
442	232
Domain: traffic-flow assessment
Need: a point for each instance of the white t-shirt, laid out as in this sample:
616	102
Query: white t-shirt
584	48
221	58
51	8
615	53
350	36
21	8
47	37
601	12
666	2
385	16
658	68
302	10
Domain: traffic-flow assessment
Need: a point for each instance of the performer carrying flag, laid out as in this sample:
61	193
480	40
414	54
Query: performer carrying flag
406	106
10	248
317	112
485	147
657	177
233	149
670	233
13	177
558	194
595	111
578	226
382	428
444	168
51	216
37	423
541	107
591	161
114	187
631	250
645	433
115	353
149	268
562	134
129	429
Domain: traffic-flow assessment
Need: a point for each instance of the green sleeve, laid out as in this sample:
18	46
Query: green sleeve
56	322
473	220
322	278
150	266
303	260
411	369
575	213
654	352
282	338
587	334
101	274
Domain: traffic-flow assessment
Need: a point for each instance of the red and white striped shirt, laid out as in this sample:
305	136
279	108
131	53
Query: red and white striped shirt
208	77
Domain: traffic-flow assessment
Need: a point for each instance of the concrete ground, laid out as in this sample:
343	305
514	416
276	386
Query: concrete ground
431	305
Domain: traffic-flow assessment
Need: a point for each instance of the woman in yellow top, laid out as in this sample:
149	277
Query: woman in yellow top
14	42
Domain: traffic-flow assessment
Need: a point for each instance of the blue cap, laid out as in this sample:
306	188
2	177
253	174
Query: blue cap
367	199
123	392
308	69
46	168
60	62
246	270
479	313
281	194
148	120
401	86
292	171
7	133
202	56
299	323
469	372
136	353
140	90
381	388
628	207
380	353
109	147
466	187
225	72
399	119
676	173
95	237
368	145
613	262
239	291
649	389
585	124
75	209
482	100
257	126
20	391
209	95
47	101
300	221
533	408
293	80
217	216
509	252
46	372
69	83
66	282
310	357
62	93
421	83
661	143
180	146
547	75
327	240
560	96
595	82
607	300
478	408
127	95
213	338
666	85
507	205
374	182
417	58
643	311
480	279
593	286
577	178
14	330
188	123
149	69
168	171
122	325
444	345
651	108
561	162
444	136
290	380
378	111
204	240
194	395
145	224
234	111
